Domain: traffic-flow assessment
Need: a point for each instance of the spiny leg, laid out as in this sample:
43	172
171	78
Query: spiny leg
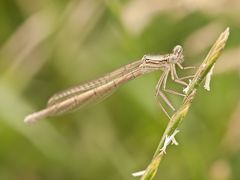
187	67
160	104
168	102
186	77
170	90
163	81
161	94
158	86
175	77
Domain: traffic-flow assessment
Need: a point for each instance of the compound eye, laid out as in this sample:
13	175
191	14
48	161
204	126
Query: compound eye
178	50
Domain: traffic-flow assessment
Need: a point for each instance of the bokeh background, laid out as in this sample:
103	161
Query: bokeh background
46	46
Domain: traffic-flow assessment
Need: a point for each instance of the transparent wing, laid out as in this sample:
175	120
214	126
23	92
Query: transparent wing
76	101
79	89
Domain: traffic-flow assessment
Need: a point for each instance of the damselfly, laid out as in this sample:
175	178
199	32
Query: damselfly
77	96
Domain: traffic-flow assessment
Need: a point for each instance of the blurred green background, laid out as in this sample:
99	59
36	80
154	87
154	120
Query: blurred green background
49	45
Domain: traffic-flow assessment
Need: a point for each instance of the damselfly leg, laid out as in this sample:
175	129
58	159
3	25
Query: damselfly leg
161	86
159	93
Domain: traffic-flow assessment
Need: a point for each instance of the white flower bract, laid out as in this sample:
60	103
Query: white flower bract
139	173
169	139
185	90
208	79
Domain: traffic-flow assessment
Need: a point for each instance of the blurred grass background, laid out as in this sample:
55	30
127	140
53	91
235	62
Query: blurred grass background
46	46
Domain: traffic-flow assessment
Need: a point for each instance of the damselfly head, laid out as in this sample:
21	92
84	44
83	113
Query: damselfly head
177	55
178	50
